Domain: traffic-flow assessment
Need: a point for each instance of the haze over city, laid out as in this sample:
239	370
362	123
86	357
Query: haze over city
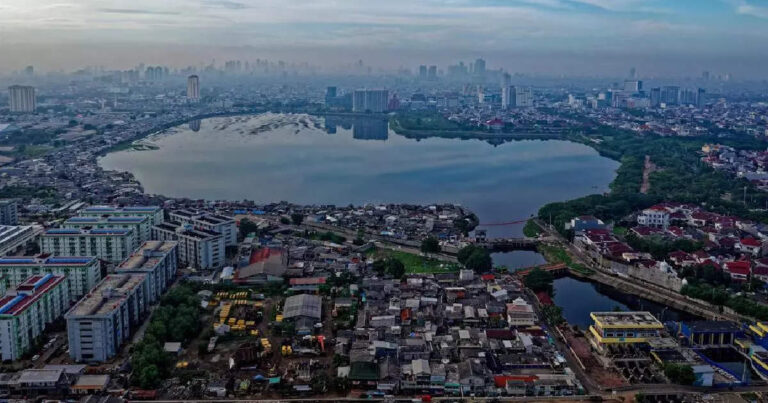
540	37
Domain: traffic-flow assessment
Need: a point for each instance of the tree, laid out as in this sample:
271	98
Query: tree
149	377
465	253
553	314
430	245
479	261
297	218
539	280
392	266
680	373
247	227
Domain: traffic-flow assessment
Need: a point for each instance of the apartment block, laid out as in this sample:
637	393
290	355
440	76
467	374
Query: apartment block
155	213
158	260
225	226
110	244
107	317
27	309
82	273
199	248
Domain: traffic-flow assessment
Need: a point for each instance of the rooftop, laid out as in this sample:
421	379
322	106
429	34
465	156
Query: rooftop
626	319
148	255
26	293
83	231
46	261
107	295
302	305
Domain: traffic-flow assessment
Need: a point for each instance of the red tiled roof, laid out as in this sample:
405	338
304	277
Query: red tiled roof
738	267
307	281
750	242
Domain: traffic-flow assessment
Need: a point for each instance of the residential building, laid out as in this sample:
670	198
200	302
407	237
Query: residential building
654	217
22	99
158	260
198	247
13	237
109	244
520	313
107	317
374	101
155	214
521	97
140	225
26	310
623	328
82	273
9	212
225	226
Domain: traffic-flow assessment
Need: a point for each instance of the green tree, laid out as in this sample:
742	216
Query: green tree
247	227
149	377
297	218
539	280
680	373
479	261
430	245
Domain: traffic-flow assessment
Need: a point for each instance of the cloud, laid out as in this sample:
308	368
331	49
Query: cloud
231	5
133	11
754	11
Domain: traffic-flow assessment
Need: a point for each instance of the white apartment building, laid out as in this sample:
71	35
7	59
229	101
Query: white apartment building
107	317
141	225
154	213
110	244
158	260
82	273
225	226
654	217
199	248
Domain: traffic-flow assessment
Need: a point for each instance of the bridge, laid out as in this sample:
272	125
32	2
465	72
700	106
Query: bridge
509	244
502	224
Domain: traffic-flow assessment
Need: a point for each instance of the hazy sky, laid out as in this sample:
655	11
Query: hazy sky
582	36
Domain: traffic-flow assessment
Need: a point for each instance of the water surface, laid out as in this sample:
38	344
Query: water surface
307	160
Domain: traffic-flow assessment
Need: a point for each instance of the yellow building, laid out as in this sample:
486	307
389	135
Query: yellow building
622	328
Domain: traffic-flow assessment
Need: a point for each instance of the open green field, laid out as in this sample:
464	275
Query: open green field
415	263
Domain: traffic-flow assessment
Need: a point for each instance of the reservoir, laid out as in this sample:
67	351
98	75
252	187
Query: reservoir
339	160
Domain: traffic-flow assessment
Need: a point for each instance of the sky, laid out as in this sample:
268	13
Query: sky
672	37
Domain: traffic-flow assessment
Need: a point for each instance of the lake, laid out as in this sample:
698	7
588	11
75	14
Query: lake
336	160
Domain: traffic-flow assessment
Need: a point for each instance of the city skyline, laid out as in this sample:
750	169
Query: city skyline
530	36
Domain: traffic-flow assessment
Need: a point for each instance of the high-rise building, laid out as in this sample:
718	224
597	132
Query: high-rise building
107	317
632	73
670	95
701	97
655	97
506	83
374	101
480	67
225	226
193	88
432	73
9	212
110	244
22	99
523	97
633	86
330	95
141	226
423	72
158	260
198	247
154	213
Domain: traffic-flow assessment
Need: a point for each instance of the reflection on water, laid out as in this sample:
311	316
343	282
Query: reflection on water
195	125
273	157
579	298
363	128
518	259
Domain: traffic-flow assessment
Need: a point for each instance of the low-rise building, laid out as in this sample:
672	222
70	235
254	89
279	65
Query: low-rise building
154	213
159	260
82	273
520	313
110	244
225	226
105	318
655	216
26	310
199	248
623	328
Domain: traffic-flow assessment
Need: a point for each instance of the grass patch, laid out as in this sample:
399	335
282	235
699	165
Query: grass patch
620	231
531	229
554	254
415	264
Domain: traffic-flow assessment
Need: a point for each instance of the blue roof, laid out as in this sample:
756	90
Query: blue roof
102	231
141	208
69	260
11	260
55	231
126	219
82	219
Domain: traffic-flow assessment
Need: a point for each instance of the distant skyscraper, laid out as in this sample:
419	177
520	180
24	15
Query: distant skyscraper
374	101
193	88
632	73
22	99
29	70
523	97
506	91
432	73
480	69
701	97
423	72
705	75
655	97
330	96
670	95
633	86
